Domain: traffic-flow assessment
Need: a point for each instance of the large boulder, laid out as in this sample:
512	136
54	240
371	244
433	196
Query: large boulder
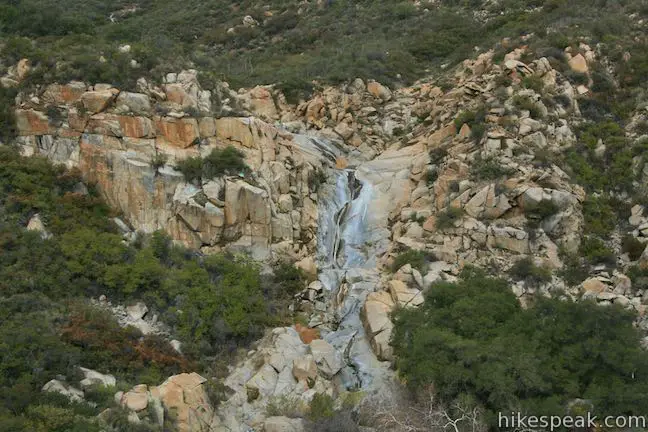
578	64
304	368
328	359
98	101
264	382
137	399
404	296
377	324
57	386
92	377
185	394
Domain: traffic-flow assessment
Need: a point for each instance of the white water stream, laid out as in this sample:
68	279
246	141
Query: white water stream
347	262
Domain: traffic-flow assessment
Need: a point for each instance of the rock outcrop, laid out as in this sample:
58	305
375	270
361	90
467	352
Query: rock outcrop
116	138
182	395
342	183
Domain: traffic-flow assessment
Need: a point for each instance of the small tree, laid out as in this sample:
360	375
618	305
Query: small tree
191	168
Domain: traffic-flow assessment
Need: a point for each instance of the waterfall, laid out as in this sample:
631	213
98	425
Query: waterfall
347	263
351	235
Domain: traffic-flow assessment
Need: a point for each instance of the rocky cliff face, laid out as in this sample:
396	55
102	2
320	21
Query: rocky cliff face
461	174
115	137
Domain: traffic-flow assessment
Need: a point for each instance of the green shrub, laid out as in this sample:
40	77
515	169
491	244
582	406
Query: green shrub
159	160
437	155
526	270
576	78
290	278
596	252
600	218
489	169
417	259
446	219
475	119
574	271
526	103
7	121
431	176
503	80
322	406
639	277
545	209
191	168
340	421
534	83
472	338
633	247
224	161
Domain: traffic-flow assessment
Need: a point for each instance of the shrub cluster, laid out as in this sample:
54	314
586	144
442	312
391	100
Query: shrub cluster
472	338
227	161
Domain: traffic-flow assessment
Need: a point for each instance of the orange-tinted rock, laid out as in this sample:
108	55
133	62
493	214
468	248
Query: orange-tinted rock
77	121
64	94
121	126
307	334
136	127
98	101
207	127
180	133
465	132
176	94
262	102
30	122
22	69
438	137
185	395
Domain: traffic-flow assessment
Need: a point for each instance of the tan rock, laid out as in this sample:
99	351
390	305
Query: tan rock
594	286
379	91
98	101
136	399
404	296
465	132
136	103
304	368
509	238
306	334
430	224
344	130
22	69
180	133
341	163
263	103
643	260
31	122
264	381
308	266
57	94
438	137
207	127
375	312
120	126
578	63
185	395
327	358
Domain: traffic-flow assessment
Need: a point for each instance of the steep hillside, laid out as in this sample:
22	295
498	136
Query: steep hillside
415	214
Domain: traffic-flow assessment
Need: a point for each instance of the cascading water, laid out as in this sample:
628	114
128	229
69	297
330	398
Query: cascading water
347	262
